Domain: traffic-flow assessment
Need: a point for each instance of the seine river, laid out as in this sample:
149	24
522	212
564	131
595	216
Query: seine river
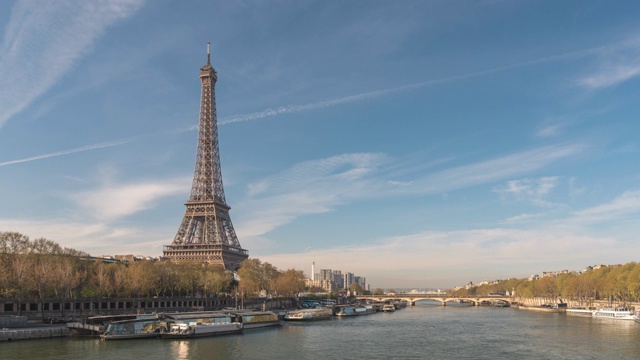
419	332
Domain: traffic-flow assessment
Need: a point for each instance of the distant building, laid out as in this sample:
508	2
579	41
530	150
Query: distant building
348	279
332	280
338	279
554	273
325	274
326	285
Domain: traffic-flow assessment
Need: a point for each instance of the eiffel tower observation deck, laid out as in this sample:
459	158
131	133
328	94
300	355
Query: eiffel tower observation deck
206	233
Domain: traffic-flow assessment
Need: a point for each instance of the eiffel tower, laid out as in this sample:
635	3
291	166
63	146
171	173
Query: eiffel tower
206	233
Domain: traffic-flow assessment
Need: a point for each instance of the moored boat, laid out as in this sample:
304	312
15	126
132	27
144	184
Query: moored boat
614	313
636	316
365	310
134	329
196	329
256	319
388	308
309	315
188	325
346	311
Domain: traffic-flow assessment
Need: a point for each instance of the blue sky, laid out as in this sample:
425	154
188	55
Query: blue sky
416	143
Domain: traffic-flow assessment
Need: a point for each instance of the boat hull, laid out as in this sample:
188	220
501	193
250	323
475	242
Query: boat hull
129	336
196	331
309	315
260	325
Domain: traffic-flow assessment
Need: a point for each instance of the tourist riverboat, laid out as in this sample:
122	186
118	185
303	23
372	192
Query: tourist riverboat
636	316
190	325
614	313
309	314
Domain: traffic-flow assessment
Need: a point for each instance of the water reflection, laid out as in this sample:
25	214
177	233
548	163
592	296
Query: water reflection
419	332
180	349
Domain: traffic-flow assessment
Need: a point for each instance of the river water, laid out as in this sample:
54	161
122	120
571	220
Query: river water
419	332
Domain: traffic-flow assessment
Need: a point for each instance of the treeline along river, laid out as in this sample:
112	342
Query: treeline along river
419	332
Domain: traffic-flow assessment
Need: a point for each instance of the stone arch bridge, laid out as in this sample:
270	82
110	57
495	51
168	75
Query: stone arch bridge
443	299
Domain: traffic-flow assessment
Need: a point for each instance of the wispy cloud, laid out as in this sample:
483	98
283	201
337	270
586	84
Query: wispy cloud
624	205
66	152
312	187
554	126
320	186
533	190
340	168
550	130
44	40
496	169
114	201
373	94
523	217
615	64
94	237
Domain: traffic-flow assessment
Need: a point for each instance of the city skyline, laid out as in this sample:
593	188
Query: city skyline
424	144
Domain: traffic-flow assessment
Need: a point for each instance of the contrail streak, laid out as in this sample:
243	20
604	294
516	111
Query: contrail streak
66	152
359	97
328	103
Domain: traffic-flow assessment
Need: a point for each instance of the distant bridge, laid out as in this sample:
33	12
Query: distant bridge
443	299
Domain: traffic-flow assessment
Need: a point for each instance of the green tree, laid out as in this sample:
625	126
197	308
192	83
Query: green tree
215	280
289	283
355	288
256	276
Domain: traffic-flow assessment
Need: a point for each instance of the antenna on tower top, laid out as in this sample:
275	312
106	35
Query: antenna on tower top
208	53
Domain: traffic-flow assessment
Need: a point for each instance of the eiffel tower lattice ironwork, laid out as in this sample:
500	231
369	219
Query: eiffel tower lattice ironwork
206	232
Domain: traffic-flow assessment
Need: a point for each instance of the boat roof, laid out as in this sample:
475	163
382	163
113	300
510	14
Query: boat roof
134	321
200	315
249	312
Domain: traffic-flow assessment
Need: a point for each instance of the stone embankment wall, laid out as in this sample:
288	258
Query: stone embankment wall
9	321
33	333
82	308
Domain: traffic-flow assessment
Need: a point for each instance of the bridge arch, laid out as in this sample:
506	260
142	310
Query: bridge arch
443	299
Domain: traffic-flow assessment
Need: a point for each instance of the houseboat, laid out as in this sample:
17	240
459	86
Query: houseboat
346	311
366	310
134	329
255	319
309	314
